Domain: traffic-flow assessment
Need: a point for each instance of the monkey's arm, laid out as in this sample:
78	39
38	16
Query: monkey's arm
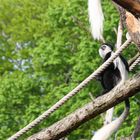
99	77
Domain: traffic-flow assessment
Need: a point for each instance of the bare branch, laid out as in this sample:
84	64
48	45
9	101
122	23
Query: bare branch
89	111
109	116
115	30
137	130
91	96
80	24
119	35
135	133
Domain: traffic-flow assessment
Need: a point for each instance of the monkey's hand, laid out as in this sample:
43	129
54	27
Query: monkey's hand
99	78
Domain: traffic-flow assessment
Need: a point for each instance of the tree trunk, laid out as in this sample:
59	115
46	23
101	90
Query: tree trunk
89	111
133	27
132	24
132	6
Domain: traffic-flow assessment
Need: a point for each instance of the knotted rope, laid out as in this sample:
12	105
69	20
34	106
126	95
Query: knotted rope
134	64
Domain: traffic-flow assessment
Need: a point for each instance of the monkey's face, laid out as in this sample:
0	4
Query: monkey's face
104	50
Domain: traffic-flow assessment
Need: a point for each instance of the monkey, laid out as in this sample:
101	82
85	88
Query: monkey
116	72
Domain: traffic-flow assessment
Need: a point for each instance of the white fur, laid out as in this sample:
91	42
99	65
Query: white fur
106	131
123	72
109	116
104	52
128	36
96	18
117	62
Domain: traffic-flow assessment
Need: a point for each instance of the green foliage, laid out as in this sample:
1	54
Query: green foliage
44	53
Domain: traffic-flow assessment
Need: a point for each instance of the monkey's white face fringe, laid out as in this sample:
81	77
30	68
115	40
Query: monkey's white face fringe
104	52
96	18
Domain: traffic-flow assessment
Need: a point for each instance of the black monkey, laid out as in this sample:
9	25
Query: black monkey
115	73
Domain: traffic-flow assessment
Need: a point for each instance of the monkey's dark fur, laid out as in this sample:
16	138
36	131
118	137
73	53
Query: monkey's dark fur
111	76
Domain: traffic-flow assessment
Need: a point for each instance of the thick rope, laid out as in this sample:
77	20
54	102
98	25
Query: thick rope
135	63
71	94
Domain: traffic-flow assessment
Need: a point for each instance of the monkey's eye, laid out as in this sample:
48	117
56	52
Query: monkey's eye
103	47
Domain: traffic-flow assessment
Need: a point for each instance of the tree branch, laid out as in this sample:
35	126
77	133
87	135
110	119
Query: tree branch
130	20
132	6
89	111
119	35
137	130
